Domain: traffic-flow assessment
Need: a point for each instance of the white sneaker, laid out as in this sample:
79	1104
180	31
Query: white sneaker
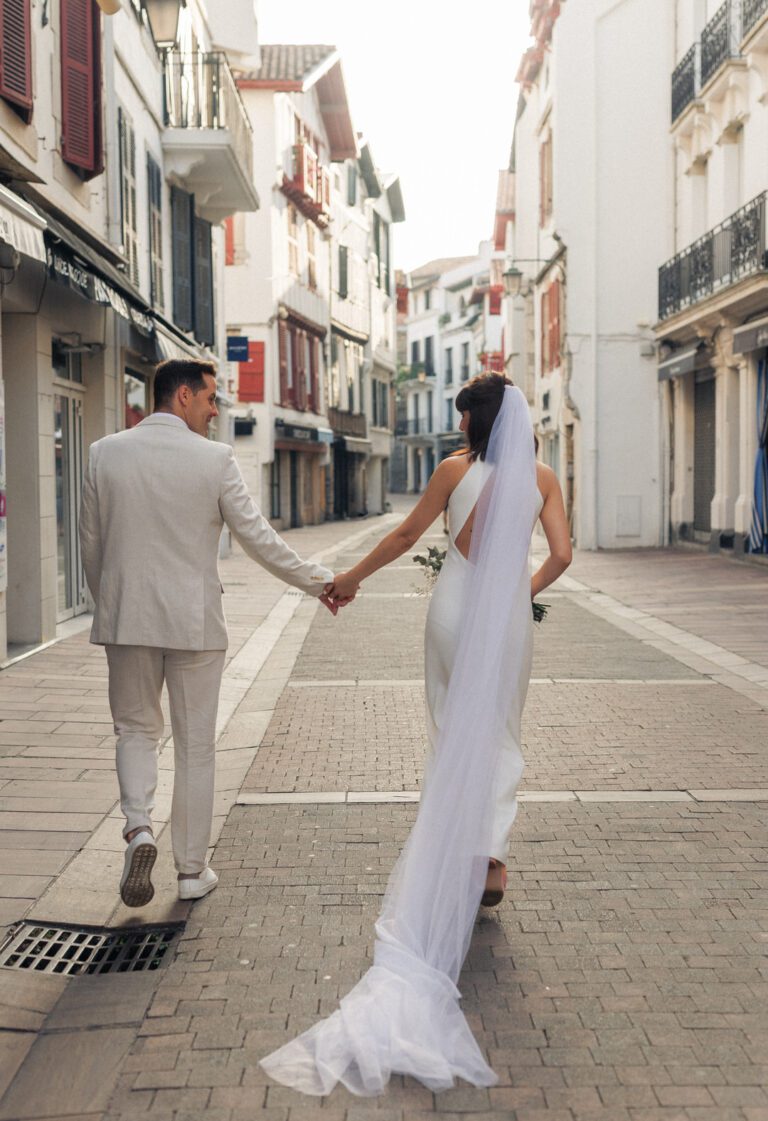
135	884
200	886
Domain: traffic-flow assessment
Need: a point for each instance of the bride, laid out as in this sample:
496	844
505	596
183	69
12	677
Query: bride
404	1015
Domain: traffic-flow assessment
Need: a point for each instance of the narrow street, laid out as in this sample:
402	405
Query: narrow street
623	977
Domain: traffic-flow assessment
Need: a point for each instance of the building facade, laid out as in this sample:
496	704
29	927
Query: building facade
582	232
301	294
453	330
712	323
123	144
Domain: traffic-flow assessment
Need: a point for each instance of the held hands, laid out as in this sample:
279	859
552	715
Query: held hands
341	591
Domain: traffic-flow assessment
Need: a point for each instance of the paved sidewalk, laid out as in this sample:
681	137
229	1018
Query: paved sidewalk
622	978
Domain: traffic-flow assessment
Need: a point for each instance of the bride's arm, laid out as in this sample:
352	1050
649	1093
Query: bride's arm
403	537
555	525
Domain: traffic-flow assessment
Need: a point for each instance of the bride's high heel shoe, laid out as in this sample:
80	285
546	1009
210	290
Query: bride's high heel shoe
495	884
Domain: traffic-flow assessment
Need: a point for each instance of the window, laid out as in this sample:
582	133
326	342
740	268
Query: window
428	355
430	395
343	272
415	352
351	185
300	366
449	414
182	214
16	56
128	216
550	327
136	398
204	331
545	180
449	366
66	365
250	384
383	404
464	361
155	196
334	389
82	144
293	241
427	299
274	486
311	261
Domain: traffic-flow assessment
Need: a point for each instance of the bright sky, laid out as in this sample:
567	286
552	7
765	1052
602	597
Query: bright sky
431	84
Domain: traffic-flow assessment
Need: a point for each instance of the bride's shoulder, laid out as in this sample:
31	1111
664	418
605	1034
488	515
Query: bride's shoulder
545	477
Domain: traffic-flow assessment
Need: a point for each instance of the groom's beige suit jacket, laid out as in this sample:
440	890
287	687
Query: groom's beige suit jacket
155	498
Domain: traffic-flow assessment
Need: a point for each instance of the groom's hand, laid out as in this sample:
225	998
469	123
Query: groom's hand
325	597
344	589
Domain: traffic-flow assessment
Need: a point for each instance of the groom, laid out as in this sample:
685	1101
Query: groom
155	498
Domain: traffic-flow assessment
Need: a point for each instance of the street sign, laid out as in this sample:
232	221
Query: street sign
237	348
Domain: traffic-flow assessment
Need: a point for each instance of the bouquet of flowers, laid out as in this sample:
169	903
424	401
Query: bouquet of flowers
433	562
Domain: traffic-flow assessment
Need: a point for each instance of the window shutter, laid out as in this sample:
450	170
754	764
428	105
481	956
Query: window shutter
155	193
314	394
351	185
182	209
343	272
299	370
495	300
544	329
203	287
229	240
251	379
16	56
283	344
554	312
81	134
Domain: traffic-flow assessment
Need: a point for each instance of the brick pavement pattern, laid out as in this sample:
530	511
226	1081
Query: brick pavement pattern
623	978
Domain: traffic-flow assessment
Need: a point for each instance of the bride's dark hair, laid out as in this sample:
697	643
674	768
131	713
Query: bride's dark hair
481	398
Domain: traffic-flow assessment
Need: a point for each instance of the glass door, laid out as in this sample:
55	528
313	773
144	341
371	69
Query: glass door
68	444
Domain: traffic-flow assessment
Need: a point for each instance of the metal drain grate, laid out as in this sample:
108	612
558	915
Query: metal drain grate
72	950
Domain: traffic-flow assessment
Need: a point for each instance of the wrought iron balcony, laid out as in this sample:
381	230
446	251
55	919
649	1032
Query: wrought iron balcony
348	424
685	81
728	253
208	140
415	426
719	40
752	11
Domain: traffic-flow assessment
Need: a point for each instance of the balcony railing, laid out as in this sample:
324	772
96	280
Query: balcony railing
200	93
348	424
415	426
685	81
752	11
309	184
734	249
719	40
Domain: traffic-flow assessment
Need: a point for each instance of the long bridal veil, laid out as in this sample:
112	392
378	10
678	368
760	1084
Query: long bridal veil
403	1016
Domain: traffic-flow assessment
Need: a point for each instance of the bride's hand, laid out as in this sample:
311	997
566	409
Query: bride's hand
344	589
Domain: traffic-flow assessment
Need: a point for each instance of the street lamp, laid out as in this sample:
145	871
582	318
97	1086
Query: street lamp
513	281
163	16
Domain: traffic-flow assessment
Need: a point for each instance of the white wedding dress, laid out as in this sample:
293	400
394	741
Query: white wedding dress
404	1016
444	617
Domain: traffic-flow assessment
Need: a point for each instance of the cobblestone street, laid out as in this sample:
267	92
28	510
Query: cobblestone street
622	979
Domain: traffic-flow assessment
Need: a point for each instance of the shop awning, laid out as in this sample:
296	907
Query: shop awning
752	336
685	362
21	226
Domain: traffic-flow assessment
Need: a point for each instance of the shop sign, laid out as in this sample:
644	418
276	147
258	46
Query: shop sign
294	432
68	272
237	348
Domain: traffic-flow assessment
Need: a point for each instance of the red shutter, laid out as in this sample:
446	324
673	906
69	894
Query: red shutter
314	397
251	374
16	56
543	327
81	138
494	299
299	371
229	241
284	341
554	319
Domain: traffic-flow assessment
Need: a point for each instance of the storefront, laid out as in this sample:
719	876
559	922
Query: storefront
688	378
298	475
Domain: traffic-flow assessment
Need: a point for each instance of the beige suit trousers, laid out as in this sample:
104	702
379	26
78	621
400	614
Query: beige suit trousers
193	677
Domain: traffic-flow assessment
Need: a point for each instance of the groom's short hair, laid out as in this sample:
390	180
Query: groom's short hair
175	372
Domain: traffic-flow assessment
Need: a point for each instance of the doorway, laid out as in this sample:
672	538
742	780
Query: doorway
68	452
